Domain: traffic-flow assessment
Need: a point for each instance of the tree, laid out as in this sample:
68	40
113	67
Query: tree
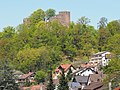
63	84
7	80
113	72
50	13
50	85
32	59
102	34
8	32
114	44
102	23
36	16
40	76
84	21
114	27
69	75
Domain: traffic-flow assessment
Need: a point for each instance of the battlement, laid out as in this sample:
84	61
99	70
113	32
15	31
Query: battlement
64	12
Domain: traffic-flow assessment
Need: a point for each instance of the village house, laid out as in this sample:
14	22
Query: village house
91	82
82	80
101	58
17	74
94	66
96	78
29	77
84	72
66	68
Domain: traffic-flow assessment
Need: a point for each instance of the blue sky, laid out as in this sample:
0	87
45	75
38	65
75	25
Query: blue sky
12	12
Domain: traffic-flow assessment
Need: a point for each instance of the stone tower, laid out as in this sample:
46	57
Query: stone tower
63	17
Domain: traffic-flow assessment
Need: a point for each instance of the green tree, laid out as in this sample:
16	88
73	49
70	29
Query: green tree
84	20
113	72
50	13
50	85
102	23
114	27
7	79
63	84
36	16
114	44
40	76
102	34
69	75
8	32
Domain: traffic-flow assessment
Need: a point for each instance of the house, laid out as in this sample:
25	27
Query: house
66	68
29	77
101	58
94	66
17	74
74	85
96	77
83	80
85	72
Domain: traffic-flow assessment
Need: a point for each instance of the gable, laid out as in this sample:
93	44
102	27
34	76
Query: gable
64	66
85	72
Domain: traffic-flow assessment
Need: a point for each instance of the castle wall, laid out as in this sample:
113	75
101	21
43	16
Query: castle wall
63	17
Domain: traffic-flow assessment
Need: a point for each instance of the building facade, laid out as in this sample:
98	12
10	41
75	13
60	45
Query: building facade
101	58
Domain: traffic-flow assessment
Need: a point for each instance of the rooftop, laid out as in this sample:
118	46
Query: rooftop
64	66
24	76
94	86
82	79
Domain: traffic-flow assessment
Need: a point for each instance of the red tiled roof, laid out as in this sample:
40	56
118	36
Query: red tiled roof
25	88
86	65
118	88
37	87
34	87
24	76
64	66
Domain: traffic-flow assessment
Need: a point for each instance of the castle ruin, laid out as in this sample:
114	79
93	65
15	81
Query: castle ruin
63	17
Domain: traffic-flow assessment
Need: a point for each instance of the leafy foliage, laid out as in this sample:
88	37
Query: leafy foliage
50	13
50	85
40	76
69	75
7	79
63	84
41	45
113	72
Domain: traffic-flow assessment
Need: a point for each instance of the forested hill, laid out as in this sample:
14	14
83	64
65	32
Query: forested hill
43	45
